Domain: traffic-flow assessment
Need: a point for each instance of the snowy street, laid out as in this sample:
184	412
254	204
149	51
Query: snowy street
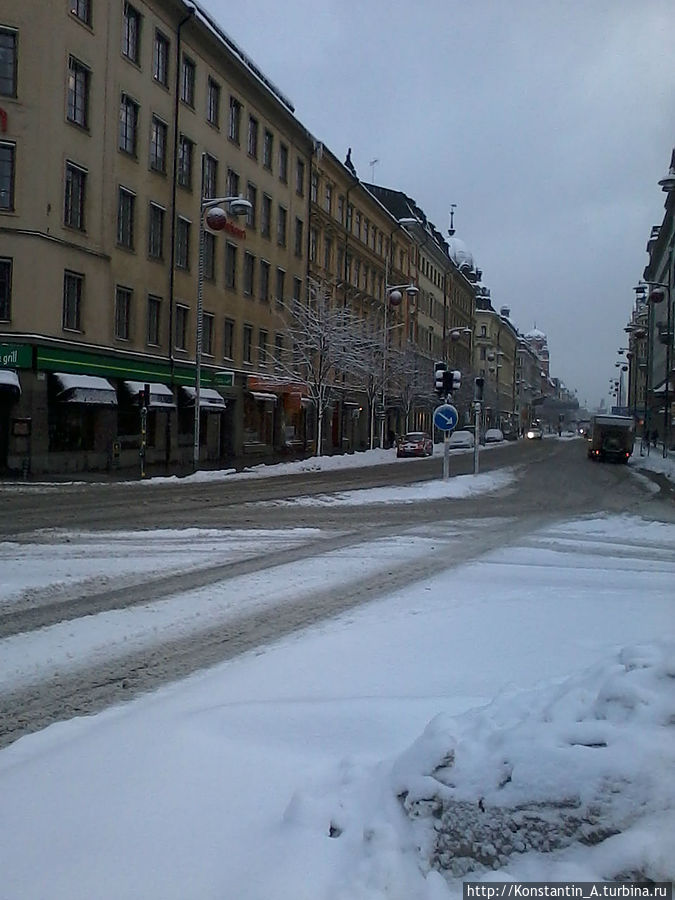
300	763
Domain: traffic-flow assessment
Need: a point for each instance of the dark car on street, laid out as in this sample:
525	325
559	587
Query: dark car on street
414	443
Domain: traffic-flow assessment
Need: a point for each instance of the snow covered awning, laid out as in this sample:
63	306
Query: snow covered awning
264	396
9	381
209	399
161	396
85	389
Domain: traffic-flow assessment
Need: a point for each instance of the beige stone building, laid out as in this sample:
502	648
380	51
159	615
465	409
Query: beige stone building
496	361
116	118
357	250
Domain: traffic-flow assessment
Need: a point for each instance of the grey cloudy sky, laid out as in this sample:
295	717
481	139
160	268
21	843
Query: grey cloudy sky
548	123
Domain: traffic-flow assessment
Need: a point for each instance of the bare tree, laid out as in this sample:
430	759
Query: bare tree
326	344
412	377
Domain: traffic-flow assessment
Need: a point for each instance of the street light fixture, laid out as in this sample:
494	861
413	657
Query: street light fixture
211	210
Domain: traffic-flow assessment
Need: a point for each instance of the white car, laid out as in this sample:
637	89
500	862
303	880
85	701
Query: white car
461	439
494	436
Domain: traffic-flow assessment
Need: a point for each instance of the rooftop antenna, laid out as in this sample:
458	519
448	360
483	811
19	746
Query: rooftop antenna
372	165
451	230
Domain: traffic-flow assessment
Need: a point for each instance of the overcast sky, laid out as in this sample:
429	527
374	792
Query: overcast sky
548	123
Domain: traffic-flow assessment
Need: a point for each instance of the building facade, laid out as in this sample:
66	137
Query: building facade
117	119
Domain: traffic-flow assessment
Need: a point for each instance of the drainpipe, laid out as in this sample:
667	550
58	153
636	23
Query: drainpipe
174	177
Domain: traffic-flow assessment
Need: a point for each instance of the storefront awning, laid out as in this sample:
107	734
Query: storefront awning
264	396
9	382
161	396
209	399
85	389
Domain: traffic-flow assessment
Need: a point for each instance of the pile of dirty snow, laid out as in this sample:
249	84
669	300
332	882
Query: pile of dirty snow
573	781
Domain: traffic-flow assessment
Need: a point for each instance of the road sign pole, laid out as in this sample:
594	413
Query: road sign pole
446	455
476	437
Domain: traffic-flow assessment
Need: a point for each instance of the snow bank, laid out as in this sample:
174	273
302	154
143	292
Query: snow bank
573	780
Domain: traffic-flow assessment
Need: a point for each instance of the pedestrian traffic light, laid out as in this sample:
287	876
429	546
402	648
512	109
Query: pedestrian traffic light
440	371
479	384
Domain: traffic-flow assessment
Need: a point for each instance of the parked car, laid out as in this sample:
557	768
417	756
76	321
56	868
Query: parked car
414	443
461	439
494	436
534	433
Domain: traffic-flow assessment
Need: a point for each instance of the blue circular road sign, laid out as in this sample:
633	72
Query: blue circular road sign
445	417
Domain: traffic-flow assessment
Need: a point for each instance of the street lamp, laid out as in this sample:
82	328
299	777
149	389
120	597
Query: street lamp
393	296
212	214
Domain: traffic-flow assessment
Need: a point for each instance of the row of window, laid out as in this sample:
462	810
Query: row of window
74	210
73	286
260	142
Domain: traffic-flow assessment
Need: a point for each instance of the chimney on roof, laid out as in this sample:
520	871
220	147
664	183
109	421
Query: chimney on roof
505	312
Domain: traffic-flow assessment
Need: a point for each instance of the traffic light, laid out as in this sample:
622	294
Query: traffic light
440	371
455	380
144	396
479	384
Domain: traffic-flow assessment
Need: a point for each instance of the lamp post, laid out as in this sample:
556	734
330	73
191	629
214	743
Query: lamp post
211	210
393	295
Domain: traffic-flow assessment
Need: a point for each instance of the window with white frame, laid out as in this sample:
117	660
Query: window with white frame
128	130
187	81
280	287
156	231
208	320
234	130
185	156
252	141
228	339
283	163
8	62
122	313
264	286
74	196
247	348
7	158
160	59
78	93
158	138
299	237
154	320
268	149
131	33
213	103
252	197
282	216
231	266
73	283
210	176
126	207
262	348
81	9
183	243
266	216
181	327
249	273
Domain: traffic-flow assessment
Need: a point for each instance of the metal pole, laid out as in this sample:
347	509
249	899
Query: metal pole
476	437
198	345
446	455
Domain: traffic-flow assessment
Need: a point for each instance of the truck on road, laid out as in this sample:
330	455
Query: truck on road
611	438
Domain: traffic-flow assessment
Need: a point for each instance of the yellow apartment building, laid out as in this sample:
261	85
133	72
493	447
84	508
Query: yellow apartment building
116	120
